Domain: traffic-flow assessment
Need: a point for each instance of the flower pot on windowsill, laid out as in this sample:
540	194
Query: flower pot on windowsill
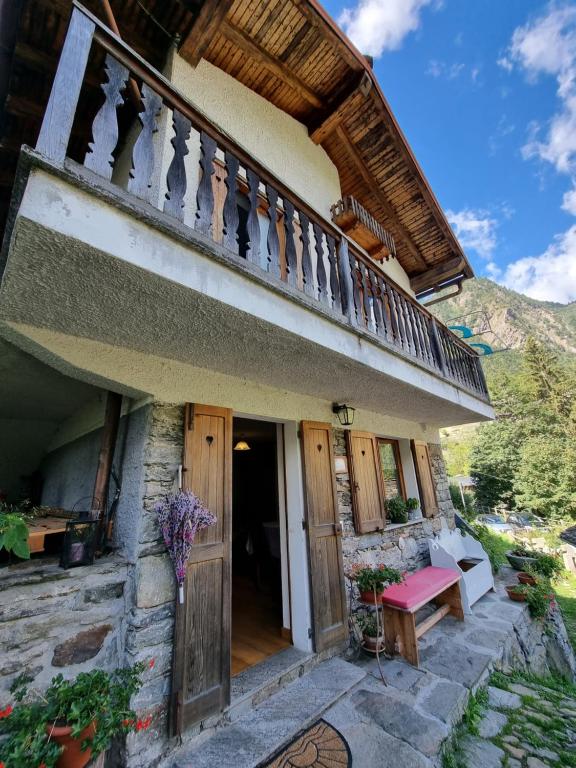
371	597
73	756
373	644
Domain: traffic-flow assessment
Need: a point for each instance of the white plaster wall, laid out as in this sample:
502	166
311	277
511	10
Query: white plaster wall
395	272
278	141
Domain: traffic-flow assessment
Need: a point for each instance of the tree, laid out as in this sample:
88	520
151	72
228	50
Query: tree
494	459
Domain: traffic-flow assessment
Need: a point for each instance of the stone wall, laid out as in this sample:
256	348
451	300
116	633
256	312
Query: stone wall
400	546
52	620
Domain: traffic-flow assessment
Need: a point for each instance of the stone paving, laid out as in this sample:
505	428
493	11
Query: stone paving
408	722
528	723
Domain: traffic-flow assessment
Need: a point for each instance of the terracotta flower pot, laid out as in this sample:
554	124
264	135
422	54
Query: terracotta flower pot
518	597
368	597
373	643
526	578
73	756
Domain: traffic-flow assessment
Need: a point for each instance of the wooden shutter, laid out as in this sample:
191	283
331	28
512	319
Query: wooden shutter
324	536
201	669
426	484
366	481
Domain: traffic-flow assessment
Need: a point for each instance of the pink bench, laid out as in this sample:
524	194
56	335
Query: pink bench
401	601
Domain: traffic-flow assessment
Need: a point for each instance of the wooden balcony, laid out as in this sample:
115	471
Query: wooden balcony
239	204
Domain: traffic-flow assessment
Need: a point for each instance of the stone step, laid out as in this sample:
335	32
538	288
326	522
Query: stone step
266	728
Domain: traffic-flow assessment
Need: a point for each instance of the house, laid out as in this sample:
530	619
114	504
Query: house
215	239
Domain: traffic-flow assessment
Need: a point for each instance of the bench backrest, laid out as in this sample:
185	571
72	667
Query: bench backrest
452	542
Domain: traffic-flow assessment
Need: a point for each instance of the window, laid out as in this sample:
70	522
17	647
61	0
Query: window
391	467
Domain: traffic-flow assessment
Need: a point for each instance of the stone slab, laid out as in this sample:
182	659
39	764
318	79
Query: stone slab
253	678
491	724
503	699
482	753
446	701
454	661
266	728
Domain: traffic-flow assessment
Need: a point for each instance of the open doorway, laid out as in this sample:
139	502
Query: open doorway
257	549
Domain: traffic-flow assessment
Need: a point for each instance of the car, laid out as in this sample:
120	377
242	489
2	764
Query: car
495	523
524	520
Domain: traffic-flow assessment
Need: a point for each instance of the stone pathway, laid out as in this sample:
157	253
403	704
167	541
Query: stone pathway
528	723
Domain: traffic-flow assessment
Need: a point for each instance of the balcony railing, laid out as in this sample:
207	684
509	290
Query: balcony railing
251	214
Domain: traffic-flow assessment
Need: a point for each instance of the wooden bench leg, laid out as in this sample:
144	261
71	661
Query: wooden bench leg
452	598
400	626
390	629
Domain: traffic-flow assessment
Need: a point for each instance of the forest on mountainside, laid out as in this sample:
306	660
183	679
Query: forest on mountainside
526	459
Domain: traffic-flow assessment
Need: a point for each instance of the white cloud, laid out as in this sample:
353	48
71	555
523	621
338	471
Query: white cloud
569	201
548	277
375	26
476	230
546	45
442	69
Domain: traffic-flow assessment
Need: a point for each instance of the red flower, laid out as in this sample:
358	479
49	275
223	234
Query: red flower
6	712
127	723
2	765
42	765
143	725
151	664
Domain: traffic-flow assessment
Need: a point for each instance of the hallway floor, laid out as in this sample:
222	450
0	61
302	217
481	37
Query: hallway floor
256	626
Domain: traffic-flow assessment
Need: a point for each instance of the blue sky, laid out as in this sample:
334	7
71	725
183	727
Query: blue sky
485	91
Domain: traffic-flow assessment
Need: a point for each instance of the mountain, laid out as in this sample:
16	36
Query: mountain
505	318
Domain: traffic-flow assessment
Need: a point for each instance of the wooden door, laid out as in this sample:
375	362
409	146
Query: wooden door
366	481
324	536
201	667
426	484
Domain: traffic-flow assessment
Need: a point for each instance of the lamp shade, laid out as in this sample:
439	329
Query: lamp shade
345	414
241	445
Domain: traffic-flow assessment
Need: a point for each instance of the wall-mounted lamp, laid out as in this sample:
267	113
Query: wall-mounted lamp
241	445
345	414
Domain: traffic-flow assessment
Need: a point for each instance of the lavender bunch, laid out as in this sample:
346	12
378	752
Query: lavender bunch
181	515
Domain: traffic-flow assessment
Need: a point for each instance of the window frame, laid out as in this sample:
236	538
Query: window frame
398	460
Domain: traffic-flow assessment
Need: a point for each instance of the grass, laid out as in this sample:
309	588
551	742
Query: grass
565	590
452	753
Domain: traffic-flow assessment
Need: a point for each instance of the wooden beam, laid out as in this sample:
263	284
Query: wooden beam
358	162
206	25
336	115
106	456
436	274
272	64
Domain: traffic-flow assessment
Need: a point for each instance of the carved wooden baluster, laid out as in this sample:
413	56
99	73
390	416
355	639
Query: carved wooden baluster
413	318
272	240
176	176
426	335
376	303
320	268
386	310
346	275
399	333
230	210
367	296
252	224
334	284
409	326
99	157
204	193
140	183
356	276
307	274
291	257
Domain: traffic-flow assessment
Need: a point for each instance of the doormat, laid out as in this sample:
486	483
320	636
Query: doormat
320	746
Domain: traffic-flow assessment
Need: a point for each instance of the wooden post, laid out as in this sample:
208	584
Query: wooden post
346	288
59	116
437	346
106	456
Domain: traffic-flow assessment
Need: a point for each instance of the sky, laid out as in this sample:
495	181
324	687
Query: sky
485	92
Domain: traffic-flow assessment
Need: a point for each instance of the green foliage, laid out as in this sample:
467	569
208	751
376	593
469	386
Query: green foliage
527	457
368	579
97	697
495	544
399	509
368	625
13	530
456	497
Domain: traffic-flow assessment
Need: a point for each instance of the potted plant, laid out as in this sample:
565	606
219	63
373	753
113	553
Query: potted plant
412	505
371	582
518	592
397	511
73	721
521	559
13	529
372	639
525	577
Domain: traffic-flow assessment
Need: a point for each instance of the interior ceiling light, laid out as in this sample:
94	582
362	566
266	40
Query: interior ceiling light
241	445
